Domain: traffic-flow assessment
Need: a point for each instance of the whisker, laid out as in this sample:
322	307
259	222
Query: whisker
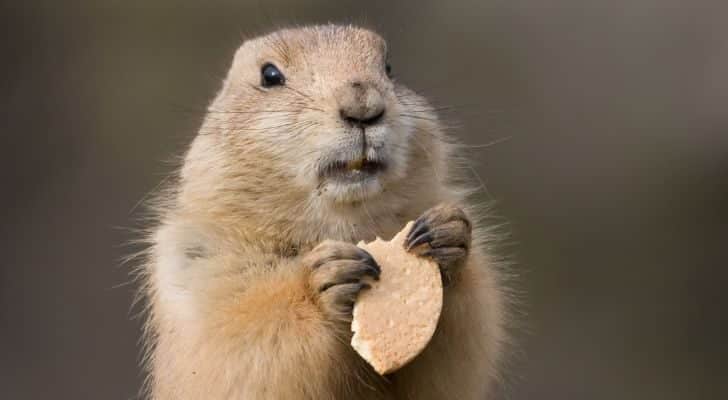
298	92
420	117
376	225
150	192
429	157
252	111
486	145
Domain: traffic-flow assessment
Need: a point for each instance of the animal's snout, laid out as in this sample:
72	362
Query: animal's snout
360	104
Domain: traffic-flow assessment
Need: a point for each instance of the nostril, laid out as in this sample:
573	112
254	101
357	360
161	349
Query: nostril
348	118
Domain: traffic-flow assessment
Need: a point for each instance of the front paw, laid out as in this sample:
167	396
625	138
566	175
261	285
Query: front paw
337	271
442	233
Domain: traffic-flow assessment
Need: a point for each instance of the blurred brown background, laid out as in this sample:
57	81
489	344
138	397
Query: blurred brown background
614	178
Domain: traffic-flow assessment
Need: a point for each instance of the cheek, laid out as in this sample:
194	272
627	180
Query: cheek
307	145
315	134
282	137
399	141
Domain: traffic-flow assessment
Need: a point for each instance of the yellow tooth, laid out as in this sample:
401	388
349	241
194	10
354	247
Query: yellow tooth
356	164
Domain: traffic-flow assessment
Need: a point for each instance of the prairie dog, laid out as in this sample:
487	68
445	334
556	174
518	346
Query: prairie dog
309	147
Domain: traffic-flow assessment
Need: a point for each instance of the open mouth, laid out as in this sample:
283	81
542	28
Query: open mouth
353	170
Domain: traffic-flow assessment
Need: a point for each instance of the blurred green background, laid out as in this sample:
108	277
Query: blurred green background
613	177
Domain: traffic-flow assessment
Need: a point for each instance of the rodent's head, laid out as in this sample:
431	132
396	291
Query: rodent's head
316	110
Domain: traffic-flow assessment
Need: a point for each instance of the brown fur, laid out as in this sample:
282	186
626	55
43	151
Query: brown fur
233	312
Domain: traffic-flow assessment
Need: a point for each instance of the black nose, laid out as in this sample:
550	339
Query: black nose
362	117
360	103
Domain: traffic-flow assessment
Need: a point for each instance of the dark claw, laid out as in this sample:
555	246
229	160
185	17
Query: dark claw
370	260
374	268
419	227
374	271
421	239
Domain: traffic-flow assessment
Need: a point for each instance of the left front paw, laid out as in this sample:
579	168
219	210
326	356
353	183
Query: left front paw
442	233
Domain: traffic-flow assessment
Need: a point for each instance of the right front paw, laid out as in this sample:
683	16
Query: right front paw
337	272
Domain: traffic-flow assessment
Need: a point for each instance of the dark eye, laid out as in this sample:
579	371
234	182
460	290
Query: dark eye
271	76
388	69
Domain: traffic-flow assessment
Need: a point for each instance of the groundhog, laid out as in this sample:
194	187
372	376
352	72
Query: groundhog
310	146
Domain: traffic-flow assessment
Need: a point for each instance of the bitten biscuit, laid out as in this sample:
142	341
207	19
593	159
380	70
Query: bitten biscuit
395	319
